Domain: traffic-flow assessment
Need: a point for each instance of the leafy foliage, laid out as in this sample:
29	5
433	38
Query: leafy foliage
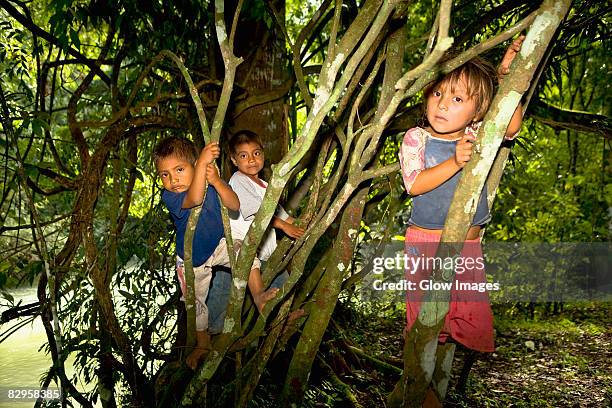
558	188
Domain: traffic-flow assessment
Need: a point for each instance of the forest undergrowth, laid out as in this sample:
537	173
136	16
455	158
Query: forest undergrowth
555	359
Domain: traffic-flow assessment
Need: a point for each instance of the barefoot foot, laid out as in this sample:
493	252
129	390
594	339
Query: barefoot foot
193	359
296	314
200	350
264	297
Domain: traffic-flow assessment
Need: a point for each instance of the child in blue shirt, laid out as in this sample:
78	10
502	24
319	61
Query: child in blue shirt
184	175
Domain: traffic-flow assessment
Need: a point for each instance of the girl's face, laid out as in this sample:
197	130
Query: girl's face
249	158
449	110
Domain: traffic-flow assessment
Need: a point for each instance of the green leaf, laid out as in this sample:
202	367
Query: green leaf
44	117
33	269
47	165
37	128
74	36
126	294
63	41
8	296
30	169
53	22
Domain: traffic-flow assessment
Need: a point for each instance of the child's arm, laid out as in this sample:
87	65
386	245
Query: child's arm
195	194
504	69
417	178
430	178
515	123
287	227
227	195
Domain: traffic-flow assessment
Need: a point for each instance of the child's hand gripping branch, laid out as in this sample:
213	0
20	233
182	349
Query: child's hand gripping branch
205	170
513	49
288	227
463	150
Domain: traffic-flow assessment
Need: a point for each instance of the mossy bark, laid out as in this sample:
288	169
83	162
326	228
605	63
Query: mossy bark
325	298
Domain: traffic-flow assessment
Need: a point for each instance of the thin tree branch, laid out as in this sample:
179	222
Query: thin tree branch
488	44
494	14
559	118
28	226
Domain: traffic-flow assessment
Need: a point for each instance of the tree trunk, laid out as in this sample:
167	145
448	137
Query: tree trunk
325	299
265	80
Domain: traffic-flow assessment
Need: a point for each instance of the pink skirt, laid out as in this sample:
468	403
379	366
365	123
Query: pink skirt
469	320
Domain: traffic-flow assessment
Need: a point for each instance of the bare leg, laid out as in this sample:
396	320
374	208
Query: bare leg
203	275
260	296
431	399
201	349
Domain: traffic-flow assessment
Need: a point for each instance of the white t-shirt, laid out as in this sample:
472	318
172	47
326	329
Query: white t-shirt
251	195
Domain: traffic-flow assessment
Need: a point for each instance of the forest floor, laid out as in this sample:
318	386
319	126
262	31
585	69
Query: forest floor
550	360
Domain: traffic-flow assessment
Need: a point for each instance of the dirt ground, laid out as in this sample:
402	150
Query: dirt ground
550	360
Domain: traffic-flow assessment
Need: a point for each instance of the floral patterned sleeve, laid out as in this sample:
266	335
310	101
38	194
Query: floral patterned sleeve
412	156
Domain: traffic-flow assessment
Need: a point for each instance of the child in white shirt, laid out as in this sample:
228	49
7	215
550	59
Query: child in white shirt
247	154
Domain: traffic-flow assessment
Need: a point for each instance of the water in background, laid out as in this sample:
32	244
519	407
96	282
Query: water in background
22	365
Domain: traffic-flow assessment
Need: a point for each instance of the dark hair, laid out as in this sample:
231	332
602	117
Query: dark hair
175	146
243	136
480	77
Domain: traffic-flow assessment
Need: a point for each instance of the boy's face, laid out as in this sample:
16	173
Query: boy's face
249	158
176	173
449	111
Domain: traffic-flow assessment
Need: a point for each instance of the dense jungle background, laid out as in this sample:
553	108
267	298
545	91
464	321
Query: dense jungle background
87	249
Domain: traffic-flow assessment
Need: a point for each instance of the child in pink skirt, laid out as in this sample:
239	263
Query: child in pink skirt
431	159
